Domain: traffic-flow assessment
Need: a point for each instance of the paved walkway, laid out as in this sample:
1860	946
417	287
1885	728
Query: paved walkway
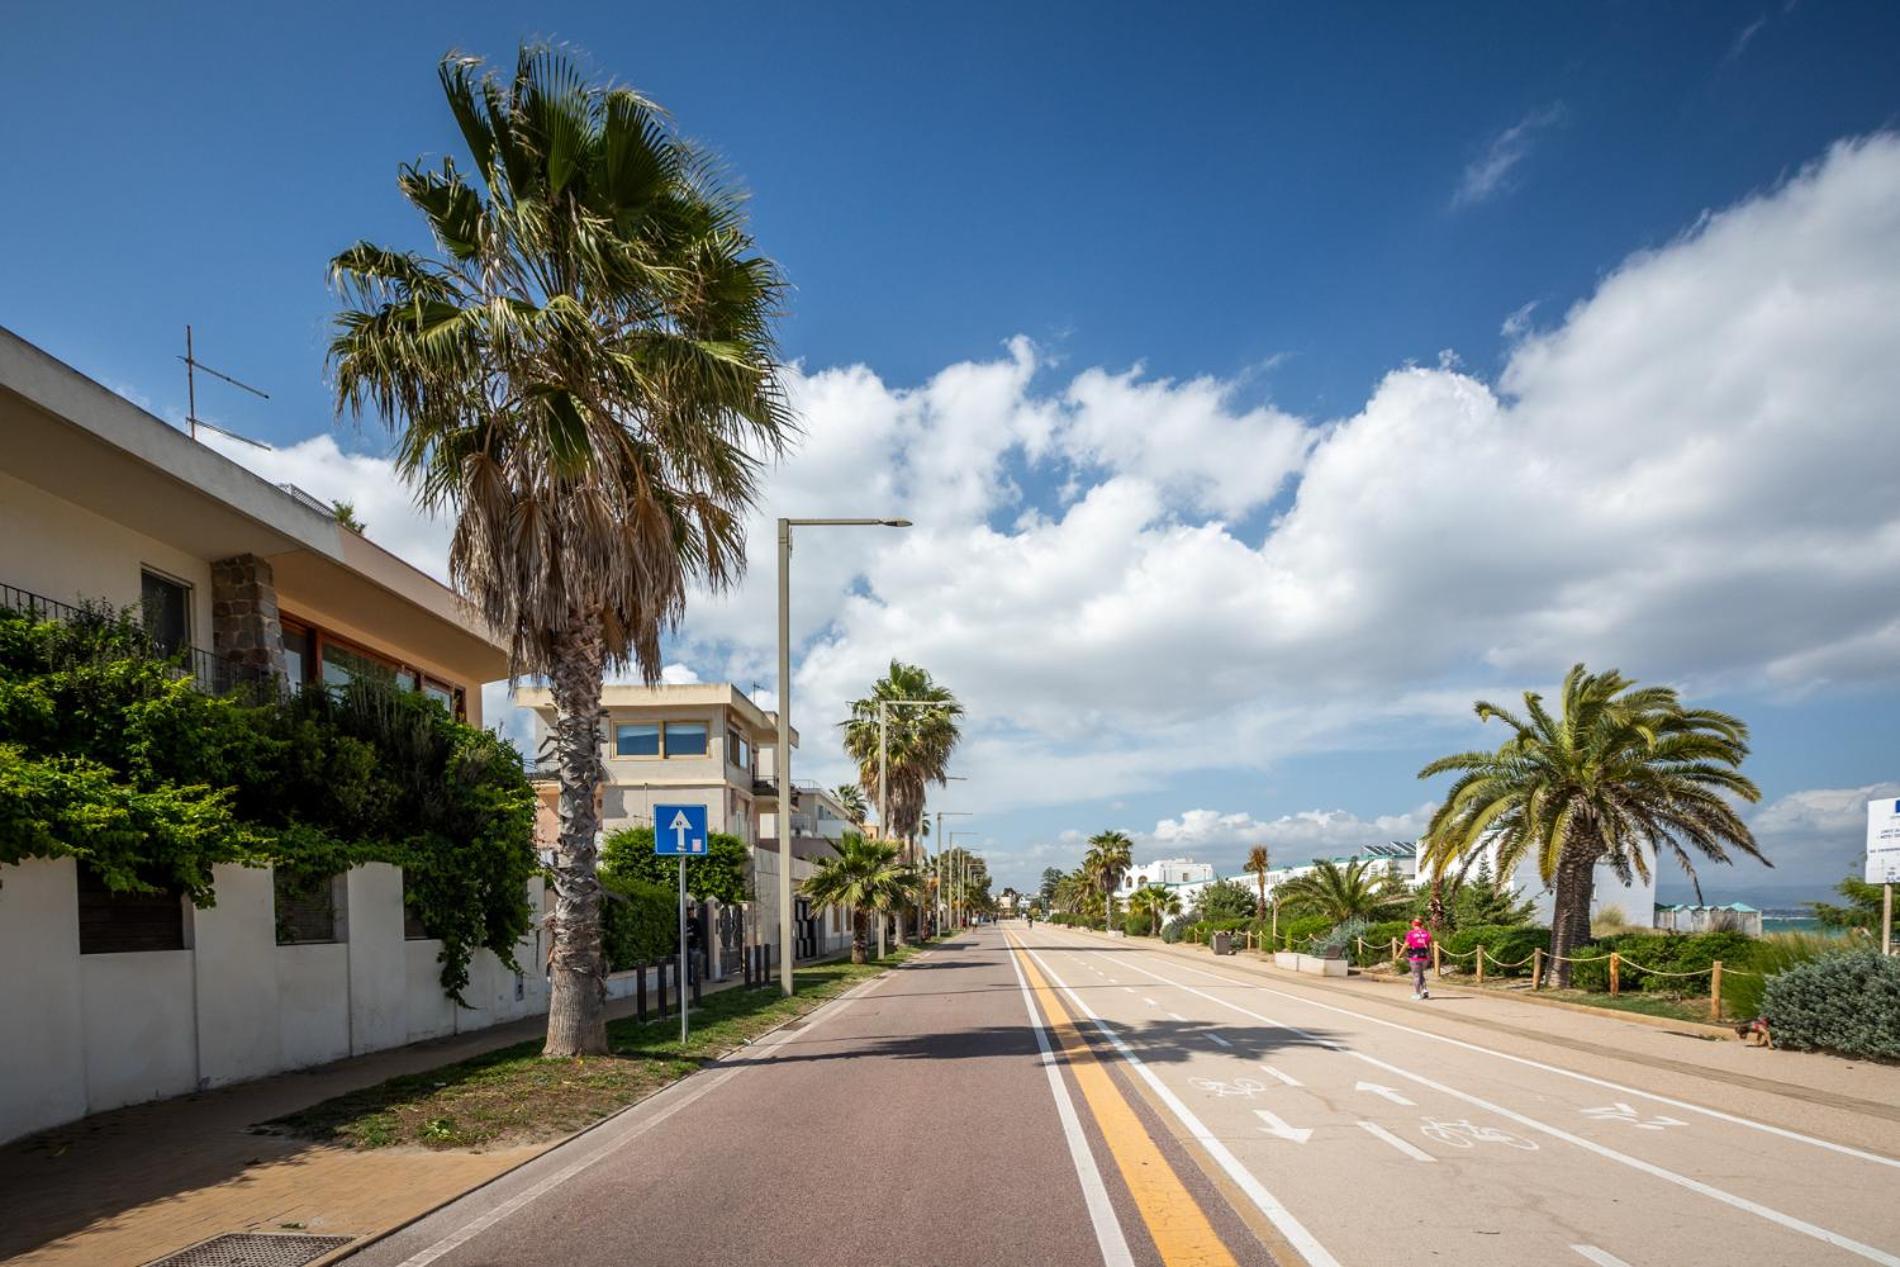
134	1184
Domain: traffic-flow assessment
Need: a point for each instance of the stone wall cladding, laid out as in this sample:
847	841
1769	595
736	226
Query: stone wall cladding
245	627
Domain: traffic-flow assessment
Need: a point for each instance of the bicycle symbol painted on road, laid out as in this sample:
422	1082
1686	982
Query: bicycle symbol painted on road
1467	1134
1246	1088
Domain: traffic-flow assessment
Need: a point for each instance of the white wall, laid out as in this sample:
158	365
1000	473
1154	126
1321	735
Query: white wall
93	1032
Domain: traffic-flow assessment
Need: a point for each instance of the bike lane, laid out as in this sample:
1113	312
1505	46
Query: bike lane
1369	1131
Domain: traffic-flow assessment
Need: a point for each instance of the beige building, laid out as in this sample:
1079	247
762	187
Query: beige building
136	997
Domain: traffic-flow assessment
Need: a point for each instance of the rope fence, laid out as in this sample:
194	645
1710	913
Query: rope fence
1540	960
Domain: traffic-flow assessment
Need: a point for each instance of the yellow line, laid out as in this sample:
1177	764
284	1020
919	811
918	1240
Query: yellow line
1180	1230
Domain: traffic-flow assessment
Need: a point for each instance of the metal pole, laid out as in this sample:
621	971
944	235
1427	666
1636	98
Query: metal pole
883	763
785	949
682	987
936	907
191	386
1886	919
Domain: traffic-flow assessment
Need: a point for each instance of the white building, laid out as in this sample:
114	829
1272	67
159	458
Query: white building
1184	877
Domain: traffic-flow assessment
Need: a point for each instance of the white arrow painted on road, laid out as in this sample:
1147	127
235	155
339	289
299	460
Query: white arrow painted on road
1275	1126
1387	1092
1621	1112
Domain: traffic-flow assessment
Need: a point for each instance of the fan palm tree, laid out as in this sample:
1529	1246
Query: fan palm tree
584	378
916	747
1361	889
1110	855
1258	864
1621	773
867	878
1155	901
851	797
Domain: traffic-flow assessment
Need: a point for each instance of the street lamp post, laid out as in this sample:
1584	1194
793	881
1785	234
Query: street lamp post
959	907
942	887
786	941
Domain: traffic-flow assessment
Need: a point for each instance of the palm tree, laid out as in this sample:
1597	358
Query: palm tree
1258	864
1621	773
1359	890
1156	902
913	746
866	877
584	378
1110	855
851	797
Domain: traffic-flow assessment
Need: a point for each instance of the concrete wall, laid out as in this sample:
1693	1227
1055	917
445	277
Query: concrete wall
94	1032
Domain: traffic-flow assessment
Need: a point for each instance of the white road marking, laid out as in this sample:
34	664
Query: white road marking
1282	1218
475	1227
1621	1112
1788	1221
1276	1125
1601	1257
1289	1079
1217	1038
1178	1017
1750	1123
1410	1150
1108	1232
1151	1003
1386	1092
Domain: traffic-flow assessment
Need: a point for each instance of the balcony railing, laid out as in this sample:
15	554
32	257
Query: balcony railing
211	673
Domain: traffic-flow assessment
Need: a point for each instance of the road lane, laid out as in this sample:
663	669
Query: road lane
1549	1161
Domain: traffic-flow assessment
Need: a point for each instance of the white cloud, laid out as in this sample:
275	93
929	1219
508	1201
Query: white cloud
1291	839
1820	832
1692	475
1489	174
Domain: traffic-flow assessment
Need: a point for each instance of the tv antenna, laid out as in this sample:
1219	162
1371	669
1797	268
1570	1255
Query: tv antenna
192	420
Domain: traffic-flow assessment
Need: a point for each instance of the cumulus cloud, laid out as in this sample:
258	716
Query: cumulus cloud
1489	174
1820	831
1693	475
1291	839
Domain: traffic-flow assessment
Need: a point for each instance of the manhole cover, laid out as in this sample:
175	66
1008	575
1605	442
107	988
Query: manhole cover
254	1249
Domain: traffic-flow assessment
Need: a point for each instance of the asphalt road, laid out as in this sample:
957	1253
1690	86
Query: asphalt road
1041	1097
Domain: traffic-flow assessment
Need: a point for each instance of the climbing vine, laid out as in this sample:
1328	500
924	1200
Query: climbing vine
108	754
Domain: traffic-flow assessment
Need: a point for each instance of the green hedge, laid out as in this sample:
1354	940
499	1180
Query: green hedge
1139	925
1295	934
1504	944
1665	952
639	921
1378	941
1847	1003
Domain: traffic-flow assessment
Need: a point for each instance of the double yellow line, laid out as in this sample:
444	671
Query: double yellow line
1180	1231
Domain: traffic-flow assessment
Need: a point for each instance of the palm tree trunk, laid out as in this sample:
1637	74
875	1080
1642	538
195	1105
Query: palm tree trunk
903	909
857	935
1570	908
577	1002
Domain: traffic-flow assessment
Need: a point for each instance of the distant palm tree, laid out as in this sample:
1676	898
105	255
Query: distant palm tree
583	378
864	876
1358	890
851	797
1622	769
1110	855
1257	866
1155	901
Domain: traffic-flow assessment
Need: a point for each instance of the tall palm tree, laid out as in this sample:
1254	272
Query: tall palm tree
851	797
1258	864
583	376
1155	901
1621	773
865	876
1110	855
914	747
1359	890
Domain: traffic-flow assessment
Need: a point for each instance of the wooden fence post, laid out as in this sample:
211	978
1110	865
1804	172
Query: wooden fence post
1480	963
1438	962
1396	965
1537	967
1616	973
1715	990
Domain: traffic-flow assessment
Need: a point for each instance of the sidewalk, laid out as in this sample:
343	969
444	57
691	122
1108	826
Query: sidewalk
1853	1101
135	1184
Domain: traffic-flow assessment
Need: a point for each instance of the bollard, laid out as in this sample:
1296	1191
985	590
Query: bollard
1715	990
640	994
1616	973
659	971
1481	965
745	968
1537	967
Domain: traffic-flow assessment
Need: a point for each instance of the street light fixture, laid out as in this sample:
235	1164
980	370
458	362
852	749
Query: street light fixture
787	944
943	890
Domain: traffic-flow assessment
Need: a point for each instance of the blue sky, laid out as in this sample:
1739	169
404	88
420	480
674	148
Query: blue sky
1286	206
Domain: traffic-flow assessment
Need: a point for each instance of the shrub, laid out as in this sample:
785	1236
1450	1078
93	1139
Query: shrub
1846	1003
1379	941
1174	930
1665	953
1769	957
1138	925
1507	948
639	921
1224	900
1295	934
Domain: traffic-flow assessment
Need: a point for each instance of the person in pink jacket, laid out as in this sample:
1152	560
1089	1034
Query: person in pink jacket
1418	948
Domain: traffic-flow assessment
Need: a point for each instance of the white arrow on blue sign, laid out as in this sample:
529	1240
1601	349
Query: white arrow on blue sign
679	829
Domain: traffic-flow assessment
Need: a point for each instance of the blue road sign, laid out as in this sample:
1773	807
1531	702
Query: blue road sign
679	829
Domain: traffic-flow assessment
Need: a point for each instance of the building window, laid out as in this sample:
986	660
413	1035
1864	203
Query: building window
738	751
309	908
637	739
442	694
167	605
686	739
119	923
343	665
297	655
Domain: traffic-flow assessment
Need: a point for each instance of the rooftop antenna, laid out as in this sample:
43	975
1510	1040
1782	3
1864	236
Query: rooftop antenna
193	421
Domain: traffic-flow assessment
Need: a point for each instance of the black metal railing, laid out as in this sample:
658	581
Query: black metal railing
212	674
